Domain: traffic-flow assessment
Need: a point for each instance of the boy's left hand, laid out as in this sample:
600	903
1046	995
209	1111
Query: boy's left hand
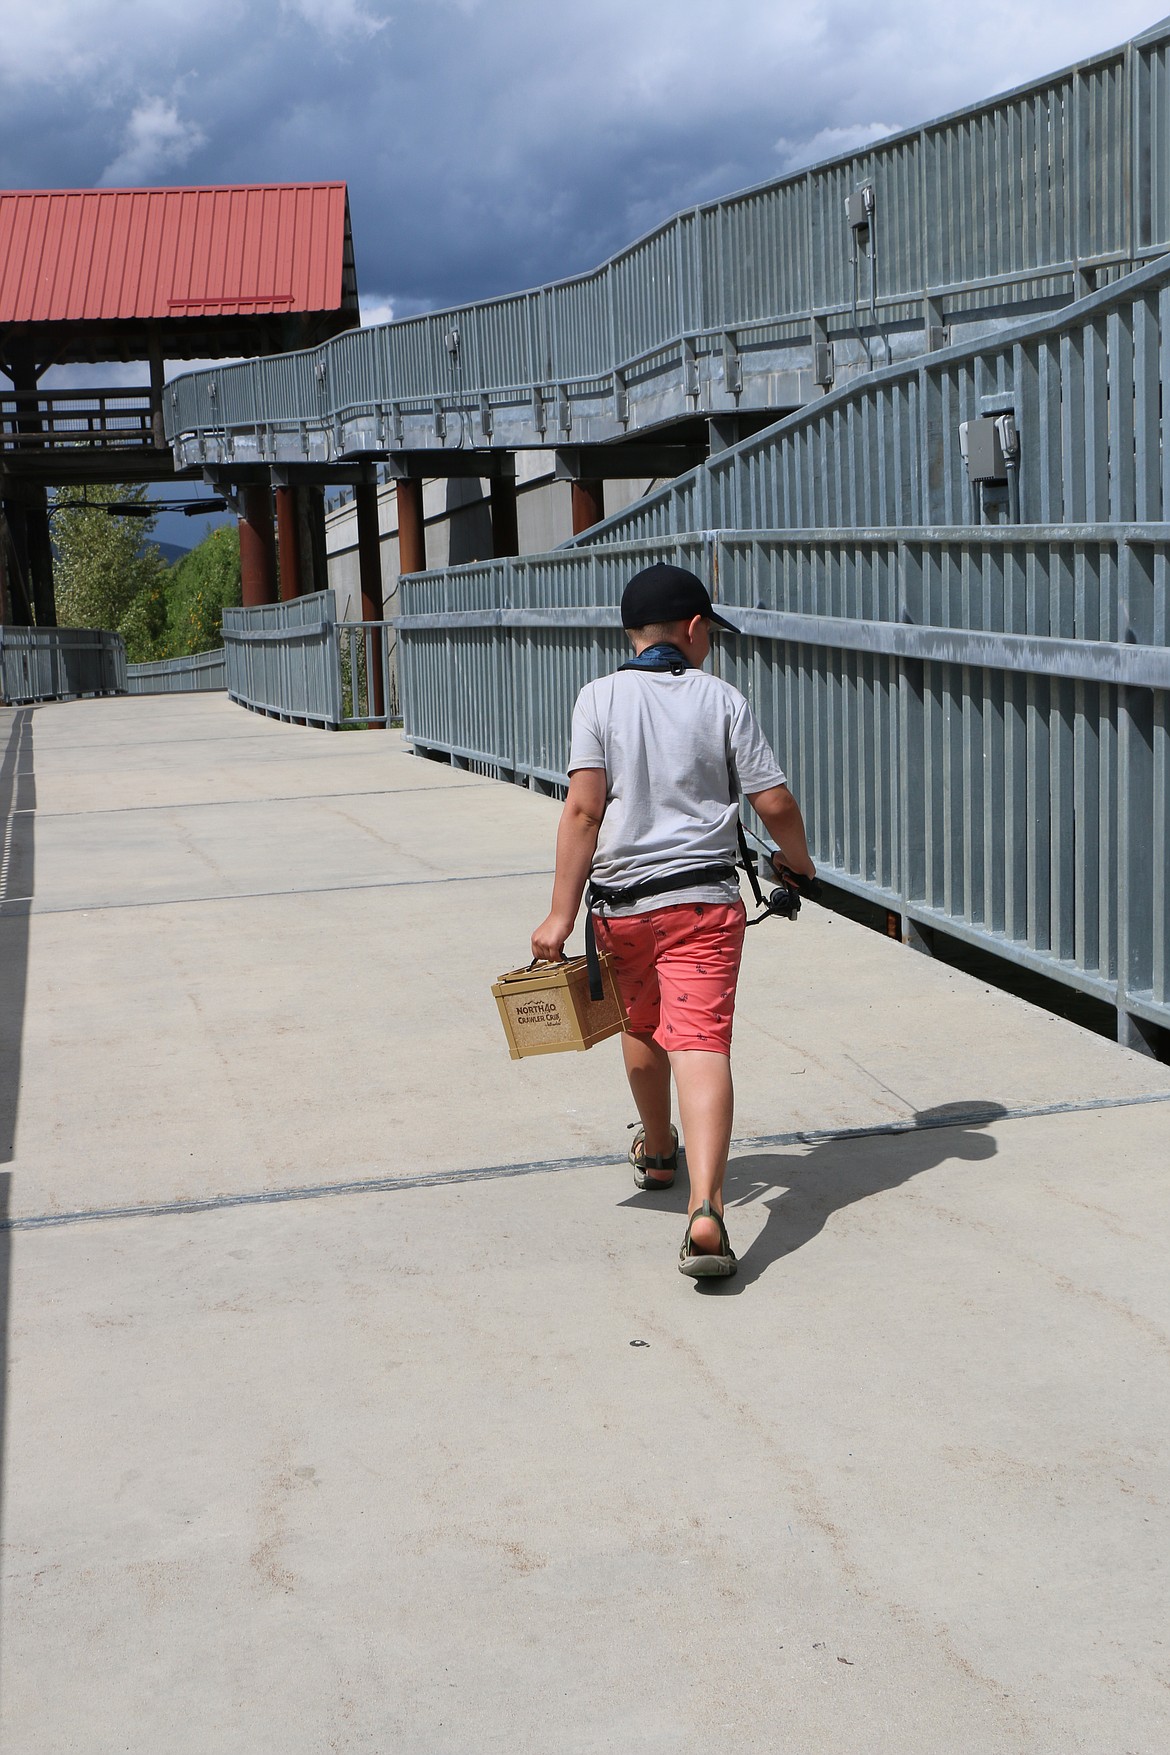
548	941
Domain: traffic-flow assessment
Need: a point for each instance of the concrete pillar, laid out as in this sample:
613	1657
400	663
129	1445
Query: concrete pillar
288	543
257	547
588	504
365	500
505	525
412	540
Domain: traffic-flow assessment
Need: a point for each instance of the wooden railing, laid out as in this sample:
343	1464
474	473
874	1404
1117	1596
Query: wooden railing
56	419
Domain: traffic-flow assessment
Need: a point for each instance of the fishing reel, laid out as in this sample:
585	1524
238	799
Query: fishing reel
794	888
785	900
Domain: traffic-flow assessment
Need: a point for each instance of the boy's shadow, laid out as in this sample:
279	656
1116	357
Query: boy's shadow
802	1188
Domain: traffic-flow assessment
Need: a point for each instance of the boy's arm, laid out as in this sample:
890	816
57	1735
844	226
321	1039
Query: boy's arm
783	821
576	842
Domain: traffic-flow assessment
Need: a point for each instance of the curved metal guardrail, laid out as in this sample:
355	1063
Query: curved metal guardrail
976	721
748	302
279	659
295	661
195	673
60	664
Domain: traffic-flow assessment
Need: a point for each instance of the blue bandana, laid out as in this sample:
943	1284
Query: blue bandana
662	656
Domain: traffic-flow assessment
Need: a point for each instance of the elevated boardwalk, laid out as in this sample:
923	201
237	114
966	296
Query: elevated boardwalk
326	1426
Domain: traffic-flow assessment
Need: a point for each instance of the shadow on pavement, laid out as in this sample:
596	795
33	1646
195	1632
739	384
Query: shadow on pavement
17	802
801	1188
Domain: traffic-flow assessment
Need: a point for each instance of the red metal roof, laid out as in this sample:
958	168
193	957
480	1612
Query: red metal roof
112	255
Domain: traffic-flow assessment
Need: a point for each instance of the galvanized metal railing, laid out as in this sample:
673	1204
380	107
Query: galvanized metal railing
1089	388
976	721
59	664
279	659
196	673
1029	199
295	661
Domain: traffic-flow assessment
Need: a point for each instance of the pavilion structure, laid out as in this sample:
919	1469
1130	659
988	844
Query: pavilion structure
104	276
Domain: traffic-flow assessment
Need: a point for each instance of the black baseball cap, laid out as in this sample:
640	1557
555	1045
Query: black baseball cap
663	593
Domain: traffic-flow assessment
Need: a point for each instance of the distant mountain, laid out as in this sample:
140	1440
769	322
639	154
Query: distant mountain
171	551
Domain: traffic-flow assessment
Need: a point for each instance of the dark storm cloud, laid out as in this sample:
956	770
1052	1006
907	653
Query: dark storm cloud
490	144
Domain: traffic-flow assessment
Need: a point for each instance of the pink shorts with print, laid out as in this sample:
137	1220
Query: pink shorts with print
677	969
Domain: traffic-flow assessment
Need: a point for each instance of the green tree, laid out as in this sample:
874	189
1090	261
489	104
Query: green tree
199	588
105	564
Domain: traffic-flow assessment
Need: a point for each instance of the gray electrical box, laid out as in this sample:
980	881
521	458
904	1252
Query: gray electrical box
858	208
983	450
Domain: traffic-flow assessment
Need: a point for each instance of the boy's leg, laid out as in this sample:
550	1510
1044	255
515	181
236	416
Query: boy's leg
698	969
705	1102
648	1070
631	945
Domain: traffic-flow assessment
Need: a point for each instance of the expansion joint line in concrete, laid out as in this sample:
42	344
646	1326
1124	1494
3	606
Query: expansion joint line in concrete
20	905
983	1115
123	810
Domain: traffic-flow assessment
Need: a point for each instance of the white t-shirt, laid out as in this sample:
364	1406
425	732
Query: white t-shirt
678	752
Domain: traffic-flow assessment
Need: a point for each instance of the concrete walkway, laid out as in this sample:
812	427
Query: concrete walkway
410	1436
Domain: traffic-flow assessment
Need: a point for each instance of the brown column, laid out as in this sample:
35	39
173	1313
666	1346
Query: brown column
412	540
588	504
288	543
505	527
257	547
311	528
365	500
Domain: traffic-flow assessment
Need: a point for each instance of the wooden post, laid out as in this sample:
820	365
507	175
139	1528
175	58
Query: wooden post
14	567
157	381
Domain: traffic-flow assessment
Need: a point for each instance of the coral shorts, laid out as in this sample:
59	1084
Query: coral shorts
677	970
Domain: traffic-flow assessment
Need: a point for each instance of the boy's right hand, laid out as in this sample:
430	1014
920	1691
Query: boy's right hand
548	941
805	881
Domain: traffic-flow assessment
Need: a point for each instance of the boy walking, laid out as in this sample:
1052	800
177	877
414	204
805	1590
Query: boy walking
661	753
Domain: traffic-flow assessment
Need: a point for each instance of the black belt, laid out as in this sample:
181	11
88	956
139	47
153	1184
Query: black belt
622	898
